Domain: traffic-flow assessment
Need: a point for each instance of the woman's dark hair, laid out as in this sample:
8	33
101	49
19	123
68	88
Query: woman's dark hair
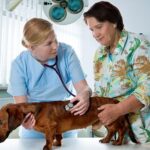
105	11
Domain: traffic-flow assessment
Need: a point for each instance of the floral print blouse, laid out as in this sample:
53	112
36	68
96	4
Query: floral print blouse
126	72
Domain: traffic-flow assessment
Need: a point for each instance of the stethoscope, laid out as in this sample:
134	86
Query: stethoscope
56	69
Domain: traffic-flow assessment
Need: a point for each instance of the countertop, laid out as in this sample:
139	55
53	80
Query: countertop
68	144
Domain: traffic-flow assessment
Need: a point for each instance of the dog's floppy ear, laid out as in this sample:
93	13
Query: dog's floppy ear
15	117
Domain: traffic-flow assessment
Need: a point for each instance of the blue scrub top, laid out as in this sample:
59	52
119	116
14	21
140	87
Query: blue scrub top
28	77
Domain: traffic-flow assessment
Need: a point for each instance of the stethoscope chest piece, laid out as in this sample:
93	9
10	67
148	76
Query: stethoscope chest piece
69	106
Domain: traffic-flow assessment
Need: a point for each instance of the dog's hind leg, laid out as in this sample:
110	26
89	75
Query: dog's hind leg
109	135
121	134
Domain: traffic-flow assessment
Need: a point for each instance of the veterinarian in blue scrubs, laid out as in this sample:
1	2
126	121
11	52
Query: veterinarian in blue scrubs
30	81
122	68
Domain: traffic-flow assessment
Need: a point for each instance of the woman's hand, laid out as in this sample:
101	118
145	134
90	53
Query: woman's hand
83	94
83	104
108	113
29	121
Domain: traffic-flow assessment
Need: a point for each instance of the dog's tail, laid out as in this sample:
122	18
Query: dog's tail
130	131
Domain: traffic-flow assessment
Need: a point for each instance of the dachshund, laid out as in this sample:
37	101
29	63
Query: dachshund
52	119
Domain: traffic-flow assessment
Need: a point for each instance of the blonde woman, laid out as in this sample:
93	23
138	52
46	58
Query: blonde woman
30	81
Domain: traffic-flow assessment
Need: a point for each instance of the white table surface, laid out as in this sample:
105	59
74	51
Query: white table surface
68	144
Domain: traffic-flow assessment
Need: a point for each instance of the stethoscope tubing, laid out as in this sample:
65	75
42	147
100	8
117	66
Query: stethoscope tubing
56	69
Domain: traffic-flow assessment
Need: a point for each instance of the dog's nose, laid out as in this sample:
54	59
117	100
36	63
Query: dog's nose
2	139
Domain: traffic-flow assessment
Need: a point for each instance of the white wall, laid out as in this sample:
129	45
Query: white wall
136	19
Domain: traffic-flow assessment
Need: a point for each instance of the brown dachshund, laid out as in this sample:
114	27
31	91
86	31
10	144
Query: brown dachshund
52	119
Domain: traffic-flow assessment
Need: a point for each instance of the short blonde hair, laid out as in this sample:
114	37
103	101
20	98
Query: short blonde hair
36	31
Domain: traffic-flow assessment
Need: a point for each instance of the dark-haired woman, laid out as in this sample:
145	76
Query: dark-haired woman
122	68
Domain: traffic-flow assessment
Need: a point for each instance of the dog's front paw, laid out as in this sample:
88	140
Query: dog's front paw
46	148
56	143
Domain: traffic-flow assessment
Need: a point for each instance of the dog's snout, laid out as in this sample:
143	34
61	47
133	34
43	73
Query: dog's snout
2	138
